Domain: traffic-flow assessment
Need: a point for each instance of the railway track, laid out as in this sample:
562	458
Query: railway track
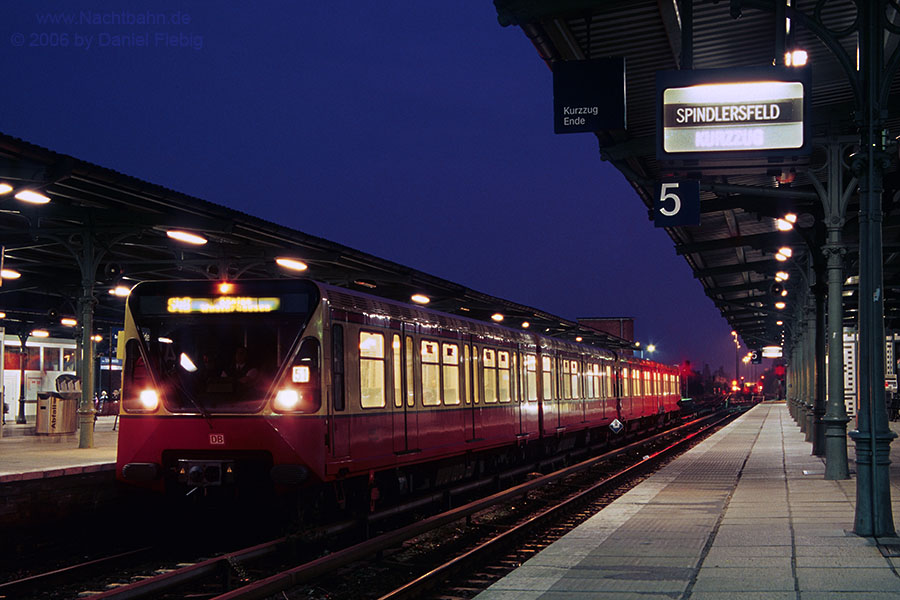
469	532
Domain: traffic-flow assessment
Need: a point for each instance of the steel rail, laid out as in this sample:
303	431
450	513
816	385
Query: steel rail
434	577
11	589
308	571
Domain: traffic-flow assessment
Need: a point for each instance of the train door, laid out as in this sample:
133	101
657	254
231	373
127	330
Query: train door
338	410
473	383
517	396
405	415
529	384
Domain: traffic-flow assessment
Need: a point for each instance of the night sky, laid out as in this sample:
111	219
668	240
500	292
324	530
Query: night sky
419	132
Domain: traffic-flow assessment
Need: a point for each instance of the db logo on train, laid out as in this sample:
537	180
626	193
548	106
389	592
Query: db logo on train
217	439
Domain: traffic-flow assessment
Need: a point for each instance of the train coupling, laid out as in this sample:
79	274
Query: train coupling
205	473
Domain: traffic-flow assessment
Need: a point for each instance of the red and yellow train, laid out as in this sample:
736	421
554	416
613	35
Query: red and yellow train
293	382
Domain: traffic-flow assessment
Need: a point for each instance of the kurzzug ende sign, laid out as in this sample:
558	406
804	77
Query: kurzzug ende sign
734	112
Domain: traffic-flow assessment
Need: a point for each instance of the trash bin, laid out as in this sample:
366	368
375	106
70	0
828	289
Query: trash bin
55	414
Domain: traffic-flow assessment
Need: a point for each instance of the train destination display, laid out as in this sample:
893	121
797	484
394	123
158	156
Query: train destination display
748	112
733	116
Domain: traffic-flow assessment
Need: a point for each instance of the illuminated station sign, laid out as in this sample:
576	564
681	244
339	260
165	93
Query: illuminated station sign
733	114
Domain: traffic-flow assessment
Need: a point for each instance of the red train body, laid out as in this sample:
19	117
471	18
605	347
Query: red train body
343	386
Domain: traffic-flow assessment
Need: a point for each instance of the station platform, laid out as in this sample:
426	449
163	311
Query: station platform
744	515
25	455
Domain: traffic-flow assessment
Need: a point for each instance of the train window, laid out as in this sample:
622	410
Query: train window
489	370
467	374
410	373
566	387
547	377
371	369
626	383
396	373
648	384
450	372
573	366
503	387
431	374
337	365
531	377
589	381
636	383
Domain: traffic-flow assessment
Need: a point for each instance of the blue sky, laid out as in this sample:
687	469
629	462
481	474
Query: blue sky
419	132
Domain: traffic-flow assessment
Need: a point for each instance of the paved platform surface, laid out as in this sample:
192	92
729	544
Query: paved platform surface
745	515
24	455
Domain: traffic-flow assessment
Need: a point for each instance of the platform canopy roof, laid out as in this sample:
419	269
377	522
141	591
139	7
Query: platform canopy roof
732	252
105	229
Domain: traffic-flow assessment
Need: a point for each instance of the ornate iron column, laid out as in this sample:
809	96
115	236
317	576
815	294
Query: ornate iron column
873	436
834	202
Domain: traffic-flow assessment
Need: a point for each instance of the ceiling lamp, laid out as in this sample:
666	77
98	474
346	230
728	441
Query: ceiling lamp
796	58
497	317
779	323
5	188
783	254
579	338
291	263
420	298
186	237
9	274
120	291
782	276
41	333
68	322
525	324
780	305
32	197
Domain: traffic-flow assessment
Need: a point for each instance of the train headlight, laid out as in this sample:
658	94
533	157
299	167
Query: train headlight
287	400
149	399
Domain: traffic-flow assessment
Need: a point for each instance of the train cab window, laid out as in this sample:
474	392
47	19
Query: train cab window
450	373
531	377
431	373
371	369
503	387
489	370
410	373
547	377
573	368
396	371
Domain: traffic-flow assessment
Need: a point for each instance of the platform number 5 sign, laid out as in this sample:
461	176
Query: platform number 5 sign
677	204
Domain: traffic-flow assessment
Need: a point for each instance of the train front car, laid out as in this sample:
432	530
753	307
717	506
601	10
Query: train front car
221	386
